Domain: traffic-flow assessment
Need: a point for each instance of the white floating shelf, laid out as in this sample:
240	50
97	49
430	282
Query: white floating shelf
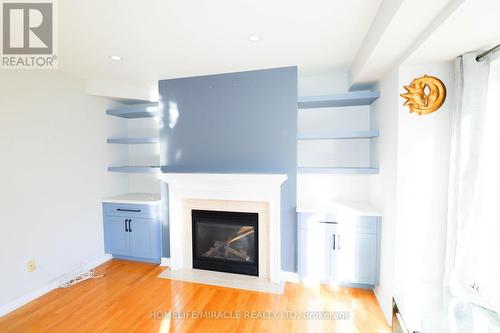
135	169
354	98
338	170
126	141
338	135
148	110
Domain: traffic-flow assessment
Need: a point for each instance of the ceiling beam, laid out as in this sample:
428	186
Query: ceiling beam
399	27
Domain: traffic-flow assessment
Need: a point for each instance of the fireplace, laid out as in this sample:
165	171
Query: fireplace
256	193
225	241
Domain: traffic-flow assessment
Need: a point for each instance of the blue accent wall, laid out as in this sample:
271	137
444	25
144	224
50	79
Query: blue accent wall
243	122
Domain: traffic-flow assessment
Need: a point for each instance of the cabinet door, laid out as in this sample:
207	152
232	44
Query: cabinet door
315	253
365	267
144	242
355	259
116	239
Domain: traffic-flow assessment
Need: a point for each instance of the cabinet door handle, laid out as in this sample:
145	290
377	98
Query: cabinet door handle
128	210
333	241
129	225
126	229
338	242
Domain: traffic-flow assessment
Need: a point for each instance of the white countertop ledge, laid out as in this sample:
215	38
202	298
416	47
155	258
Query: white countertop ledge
338	207
135	198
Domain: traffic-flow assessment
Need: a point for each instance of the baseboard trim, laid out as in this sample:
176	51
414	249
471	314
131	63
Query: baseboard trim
290	277
386	311
51	285
17	303
99	261
165	262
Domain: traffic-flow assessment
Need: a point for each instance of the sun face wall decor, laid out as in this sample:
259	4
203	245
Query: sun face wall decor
425	95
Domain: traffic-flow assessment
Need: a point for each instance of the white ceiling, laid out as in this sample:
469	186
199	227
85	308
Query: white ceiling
175	38
475	25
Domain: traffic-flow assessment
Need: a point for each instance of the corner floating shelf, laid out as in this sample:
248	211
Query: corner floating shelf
338	135
126	141
354	98
337	170
148	110
136	169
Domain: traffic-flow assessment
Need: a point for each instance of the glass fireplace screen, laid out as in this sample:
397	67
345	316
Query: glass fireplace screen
225	241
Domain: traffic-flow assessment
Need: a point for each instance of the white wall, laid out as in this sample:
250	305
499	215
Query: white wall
423	170
411	190
383	189
53	176
313	189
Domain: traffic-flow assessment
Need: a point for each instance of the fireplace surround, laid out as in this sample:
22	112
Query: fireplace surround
252	193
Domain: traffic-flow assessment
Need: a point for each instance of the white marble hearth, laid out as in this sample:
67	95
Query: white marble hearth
227	280
256	193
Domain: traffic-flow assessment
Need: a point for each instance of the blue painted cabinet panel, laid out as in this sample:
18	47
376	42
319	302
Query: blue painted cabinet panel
315	261
354	257
144	242
132	231
331	234
115	236
131	210
346	252
365	259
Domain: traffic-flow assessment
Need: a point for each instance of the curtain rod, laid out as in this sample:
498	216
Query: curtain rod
484	54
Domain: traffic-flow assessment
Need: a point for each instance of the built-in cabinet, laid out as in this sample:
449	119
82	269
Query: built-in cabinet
339	249
132	231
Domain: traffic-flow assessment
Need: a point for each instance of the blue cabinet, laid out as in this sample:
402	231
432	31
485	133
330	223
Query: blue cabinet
116	238
365	259
314	254
341	251
132	231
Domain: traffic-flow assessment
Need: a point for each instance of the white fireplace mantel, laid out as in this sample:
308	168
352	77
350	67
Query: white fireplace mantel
224	187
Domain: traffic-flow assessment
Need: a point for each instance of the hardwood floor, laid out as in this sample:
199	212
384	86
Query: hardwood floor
130	298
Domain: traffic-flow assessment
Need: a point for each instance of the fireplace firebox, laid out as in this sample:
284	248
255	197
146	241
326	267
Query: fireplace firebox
225	241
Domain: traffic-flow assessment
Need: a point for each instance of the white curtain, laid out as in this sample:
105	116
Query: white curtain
473	234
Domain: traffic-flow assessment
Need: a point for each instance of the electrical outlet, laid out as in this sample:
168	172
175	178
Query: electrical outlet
31	265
